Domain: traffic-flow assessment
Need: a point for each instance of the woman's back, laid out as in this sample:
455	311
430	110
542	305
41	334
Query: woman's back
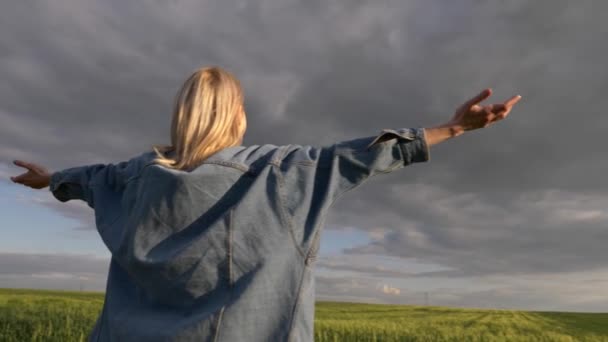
204	255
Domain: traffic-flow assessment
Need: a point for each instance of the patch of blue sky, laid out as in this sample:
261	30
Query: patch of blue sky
33	228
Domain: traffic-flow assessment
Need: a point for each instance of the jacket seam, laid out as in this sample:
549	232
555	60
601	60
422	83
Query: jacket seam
233	165
305	163
227	164
287	220
311	253
219	322
230	241
296	304
229	238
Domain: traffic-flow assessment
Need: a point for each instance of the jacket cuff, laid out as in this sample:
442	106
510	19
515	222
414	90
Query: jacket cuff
55	186
54	182
387	134
412	142
419	149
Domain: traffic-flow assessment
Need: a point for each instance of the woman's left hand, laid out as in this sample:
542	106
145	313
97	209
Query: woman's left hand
36	177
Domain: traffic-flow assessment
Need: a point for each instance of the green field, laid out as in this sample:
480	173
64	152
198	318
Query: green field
34	315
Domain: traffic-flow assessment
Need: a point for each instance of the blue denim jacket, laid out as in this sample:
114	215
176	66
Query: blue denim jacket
224	252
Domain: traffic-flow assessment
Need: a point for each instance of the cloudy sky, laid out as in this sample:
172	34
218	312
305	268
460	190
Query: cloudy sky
513	216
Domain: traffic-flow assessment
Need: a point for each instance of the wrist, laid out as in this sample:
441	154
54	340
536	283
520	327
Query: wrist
47	179
453	129
438	134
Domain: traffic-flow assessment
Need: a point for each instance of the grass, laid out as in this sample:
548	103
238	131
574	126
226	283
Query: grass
40	315
370	322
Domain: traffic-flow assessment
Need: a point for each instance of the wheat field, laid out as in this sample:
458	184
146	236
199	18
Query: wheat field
37	315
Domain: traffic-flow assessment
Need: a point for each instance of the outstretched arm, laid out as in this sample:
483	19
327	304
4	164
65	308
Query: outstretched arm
347	164
312	178
78	182
68	184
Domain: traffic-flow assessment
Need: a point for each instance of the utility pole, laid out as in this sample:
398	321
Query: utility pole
426	298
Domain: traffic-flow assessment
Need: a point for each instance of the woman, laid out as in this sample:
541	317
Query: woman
214	241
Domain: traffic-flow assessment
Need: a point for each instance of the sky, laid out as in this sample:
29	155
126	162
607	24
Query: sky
514	216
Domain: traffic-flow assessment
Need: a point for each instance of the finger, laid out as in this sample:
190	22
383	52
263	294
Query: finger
500	116
480	97
488	115
503	114
19	179
498	108
26	165
510	102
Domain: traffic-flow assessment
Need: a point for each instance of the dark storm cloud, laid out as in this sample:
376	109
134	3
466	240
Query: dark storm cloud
476	234
315	72
93	82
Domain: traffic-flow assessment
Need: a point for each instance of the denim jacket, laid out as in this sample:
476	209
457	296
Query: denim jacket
226	251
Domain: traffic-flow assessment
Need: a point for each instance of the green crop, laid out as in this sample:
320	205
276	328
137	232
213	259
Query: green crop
36	315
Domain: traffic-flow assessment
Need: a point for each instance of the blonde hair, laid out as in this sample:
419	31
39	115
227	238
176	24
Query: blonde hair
208	116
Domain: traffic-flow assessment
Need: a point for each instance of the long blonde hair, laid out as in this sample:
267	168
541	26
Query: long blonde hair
208	116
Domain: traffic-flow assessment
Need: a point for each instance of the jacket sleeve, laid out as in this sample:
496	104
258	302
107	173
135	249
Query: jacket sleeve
348	164
79	182
313	178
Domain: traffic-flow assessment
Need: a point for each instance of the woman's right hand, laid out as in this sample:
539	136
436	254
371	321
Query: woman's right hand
471	115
